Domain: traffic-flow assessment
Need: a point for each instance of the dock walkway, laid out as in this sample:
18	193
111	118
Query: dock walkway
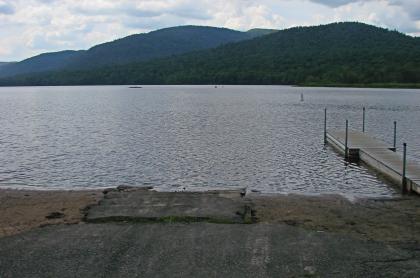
377	155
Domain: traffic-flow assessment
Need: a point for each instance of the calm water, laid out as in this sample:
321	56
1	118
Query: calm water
196	137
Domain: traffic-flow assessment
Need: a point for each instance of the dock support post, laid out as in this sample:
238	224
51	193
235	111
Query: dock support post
395	136
325	126
404	179
364	117
346	155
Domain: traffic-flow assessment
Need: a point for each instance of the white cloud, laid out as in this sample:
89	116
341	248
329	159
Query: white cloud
6	8
412	7
29	27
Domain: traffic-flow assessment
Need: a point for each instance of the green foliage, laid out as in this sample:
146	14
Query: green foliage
340	53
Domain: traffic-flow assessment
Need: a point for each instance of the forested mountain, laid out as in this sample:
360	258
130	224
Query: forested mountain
39	63
161	43
135	48
333	54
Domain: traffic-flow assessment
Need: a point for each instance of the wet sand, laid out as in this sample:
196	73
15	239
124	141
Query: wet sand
23	210
387	220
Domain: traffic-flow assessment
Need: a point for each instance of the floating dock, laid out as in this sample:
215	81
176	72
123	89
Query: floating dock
358	146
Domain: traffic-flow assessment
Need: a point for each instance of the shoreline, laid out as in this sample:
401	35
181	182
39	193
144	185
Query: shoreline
408	86
383	219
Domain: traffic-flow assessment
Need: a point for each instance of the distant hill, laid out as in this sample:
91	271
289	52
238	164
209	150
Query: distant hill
334	54
5	63
161	43
39	63
257	32
135	48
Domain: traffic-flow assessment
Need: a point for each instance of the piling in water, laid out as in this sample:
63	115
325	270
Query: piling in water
395	136
364	117
346	155
404	178
325	126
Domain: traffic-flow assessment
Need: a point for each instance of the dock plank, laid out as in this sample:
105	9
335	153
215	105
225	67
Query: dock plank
358	140
395	161
376	154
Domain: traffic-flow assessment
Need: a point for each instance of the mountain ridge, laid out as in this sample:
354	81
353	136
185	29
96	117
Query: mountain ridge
338	53
133	48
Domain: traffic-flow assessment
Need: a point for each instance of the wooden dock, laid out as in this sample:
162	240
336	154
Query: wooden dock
376	154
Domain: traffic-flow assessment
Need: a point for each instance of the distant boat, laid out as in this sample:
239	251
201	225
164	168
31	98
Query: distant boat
135	87
301	97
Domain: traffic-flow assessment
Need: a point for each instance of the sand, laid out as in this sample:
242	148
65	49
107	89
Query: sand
22	210
390	220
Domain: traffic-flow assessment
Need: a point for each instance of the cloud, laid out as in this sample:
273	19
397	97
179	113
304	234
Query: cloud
412	7
30	27
6	8
188	10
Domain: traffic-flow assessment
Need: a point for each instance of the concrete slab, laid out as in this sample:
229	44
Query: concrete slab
144	205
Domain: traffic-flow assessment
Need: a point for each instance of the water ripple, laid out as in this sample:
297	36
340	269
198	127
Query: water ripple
196	137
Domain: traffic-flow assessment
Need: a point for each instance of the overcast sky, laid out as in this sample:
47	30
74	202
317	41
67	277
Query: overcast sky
30	27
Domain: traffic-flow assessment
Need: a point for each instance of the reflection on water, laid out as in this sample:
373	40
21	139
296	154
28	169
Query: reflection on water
194	137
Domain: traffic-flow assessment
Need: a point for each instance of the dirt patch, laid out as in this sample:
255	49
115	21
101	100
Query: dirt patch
372	219
22	210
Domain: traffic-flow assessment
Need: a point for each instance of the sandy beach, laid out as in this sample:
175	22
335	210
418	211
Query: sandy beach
22	210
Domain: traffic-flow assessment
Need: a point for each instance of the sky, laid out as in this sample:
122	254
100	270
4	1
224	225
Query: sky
31	27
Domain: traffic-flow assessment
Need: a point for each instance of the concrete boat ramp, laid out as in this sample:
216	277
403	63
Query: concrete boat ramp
142	233
376	154
145	205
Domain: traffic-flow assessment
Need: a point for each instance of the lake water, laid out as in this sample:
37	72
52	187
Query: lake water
196	137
